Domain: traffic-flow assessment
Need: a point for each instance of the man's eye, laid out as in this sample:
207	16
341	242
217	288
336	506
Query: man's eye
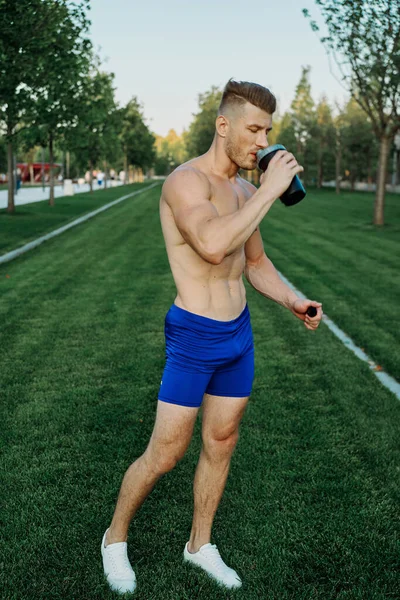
253	130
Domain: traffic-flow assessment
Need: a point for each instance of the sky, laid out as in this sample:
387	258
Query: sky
168	52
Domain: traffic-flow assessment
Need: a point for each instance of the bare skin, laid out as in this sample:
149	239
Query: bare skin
210	218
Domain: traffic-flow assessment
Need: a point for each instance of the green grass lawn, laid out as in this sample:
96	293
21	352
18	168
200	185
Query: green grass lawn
311	505
30	221
328	247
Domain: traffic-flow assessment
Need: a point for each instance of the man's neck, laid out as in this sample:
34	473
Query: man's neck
219	163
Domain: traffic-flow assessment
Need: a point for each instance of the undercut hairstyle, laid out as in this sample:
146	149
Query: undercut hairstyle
237	93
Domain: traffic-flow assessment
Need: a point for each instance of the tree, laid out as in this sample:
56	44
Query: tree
303	110
364	40
324	140
3	155
359	146
298	126
57	105
112	154
171	152
201	131
136	139
276	129
89	137
338	123
29	32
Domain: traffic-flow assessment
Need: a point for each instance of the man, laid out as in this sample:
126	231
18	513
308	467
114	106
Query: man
210	219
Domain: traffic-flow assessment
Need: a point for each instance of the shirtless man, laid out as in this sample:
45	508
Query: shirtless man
210	219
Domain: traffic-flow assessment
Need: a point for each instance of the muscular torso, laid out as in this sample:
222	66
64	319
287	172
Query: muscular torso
213	291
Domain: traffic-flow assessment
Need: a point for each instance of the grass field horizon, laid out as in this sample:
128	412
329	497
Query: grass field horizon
311	505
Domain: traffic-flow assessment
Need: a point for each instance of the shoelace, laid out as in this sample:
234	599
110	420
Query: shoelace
124	566
213	554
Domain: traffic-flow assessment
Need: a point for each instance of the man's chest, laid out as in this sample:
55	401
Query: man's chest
228	199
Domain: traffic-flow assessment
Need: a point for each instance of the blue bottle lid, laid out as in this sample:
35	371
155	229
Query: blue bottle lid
266	151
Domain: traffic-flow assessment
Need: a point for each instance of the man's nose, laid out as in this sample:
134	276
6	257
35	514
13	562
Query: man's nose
262	141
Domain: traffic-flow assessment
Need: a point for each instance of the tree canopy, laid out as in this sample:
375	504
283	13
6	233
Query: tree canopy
364	41
201	131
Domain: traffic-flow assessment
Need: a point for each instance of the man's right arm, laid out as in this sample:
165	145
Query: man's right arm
187	192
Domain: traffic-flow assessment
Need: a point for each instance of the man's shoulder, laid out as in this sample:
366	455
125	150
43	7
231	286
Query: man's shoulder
187	178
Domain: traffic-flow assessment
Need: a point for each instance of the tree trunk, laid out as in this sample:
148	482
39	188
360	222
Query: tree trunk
105	174
369	174
320	171
51	158
91	176
381	180
43	173
395	167
10	164
31	174
338	161
67	160
126	168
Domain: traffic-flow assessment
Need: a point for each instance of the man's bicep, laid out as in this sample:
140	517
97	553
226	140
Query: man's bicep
254	248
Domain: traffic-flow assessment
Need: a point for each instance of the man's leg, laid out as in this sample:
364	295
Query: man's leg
171	436
220	432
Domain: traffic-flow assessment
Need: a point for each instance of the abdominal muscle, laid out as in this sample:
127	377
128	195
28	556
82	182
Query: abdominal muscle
213	291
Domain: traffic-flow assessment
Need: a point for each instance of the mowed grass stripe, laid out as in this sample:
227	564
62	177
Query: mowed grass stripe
33	220
361	293
60	230
310	509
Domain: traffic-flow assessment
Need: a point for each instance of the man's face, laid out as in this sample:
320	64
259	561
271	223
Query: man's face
246	134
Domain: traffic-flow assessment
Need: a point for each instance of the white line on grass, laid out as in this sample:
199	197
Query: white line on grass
22	249
388	381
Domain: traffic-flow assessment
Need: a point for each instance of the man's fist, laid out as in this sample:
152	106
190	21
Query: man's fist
299	309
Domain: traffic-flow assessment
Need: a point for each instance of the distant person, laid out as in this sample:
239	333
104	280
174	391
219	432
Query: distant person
210	219
18	179
100	178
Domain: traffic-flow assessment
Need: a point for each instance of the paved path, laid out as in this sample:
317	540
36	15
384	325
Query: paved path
26	195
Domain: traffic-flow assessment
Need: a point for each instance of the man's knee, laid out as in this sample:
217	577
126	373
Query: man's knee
162	459
222	445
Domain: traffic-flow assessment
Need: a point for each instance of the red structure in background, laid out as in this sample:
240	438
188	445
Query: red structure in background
37	171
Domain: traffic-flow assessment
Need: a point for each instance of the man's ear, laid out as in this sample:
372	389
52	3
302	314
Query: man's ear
222	125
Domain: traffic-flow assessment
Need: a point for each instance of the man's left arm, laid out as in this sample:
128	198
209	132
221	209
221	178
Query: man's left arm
262	275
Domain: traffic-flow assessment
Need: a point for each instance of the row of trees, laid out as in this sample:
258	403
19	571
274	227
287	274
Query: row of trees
363	42
54	93
356	140
329	141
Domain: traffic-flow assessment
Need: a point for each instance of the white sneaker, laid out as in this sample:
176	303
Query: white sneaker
209	559
117	568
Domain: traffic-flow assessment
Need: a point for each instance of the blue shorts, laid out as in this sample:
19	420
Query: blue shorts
206	356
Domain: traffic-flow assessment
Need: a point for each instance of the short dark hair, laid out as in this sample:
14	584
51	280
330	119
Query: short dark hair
237	93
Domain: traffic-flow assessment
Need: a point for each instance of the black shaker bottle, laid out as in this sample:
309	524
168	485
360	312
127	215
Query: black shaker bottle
295	191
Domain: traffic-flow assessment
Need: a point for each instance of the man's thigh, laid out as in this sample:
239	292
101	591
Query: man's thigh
222	416
173	426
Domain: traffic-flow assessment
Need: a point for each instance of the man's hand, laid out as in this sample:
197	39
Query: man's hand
299	309
281	170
